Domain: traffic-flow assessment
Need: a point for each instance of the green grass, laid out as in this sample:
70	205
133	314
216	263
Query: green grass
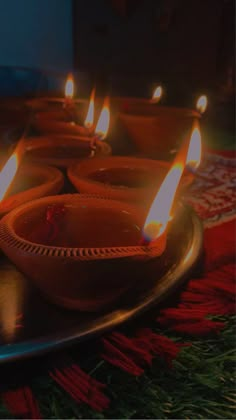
200	385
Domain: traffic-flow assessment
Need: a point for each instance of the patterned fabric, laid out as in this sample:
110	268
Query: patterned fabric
213	193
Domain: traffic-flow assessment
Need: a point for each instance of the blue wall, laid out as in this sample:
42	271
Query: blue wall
36	33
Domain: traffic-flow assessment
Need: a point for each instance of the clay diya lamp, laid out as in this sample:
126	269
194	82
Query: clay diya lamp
132	179
83	252
55	103
122	178
58	103
58	115
158	129
128	104
30	182
62	151
57	122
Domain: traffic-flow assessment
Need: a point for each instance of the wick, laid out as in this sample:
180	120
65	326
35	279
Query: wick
93	144
144	242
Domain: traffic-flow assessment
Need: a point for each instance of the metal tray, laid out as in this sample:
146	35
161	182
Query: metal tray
30	325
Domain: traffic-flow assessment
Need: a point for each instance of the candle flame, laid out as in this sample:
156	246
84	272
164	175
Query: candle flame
160	211
201	104
7	174
104	120
69	87
157	94
90	115
195	148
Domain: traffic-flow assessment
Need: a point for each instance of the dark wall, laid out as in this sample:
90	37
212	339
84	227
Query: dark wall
36	33
166	40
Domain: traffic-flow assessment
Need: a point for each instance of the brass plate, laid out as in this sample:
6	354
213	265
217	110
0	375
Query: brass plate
30	325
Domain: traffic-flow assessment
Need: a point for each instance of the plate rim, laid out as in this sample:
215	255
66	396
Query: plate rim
52	342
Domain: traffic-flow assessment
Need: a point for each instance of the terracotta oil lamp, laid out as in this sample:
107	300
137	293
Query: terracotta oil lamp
58	103
61	116
70	253
84	252
156	129
30	181
122	178
129	178
63	151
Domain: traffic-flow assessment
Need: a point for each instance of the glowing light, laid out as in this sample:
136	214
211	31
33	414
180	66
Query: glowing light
7	175
195	148
89	121
201	104
157	94
160	211
104	120
69	87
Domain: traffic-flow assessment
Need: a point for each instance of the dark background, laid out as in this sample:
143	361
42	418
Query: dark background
187	43
125	47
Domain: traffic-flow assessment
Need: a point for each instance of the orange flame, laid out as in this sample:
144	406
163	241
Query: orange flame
90	115
104	120
7	174
201	104
160	211
195	148
69	87
157	94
